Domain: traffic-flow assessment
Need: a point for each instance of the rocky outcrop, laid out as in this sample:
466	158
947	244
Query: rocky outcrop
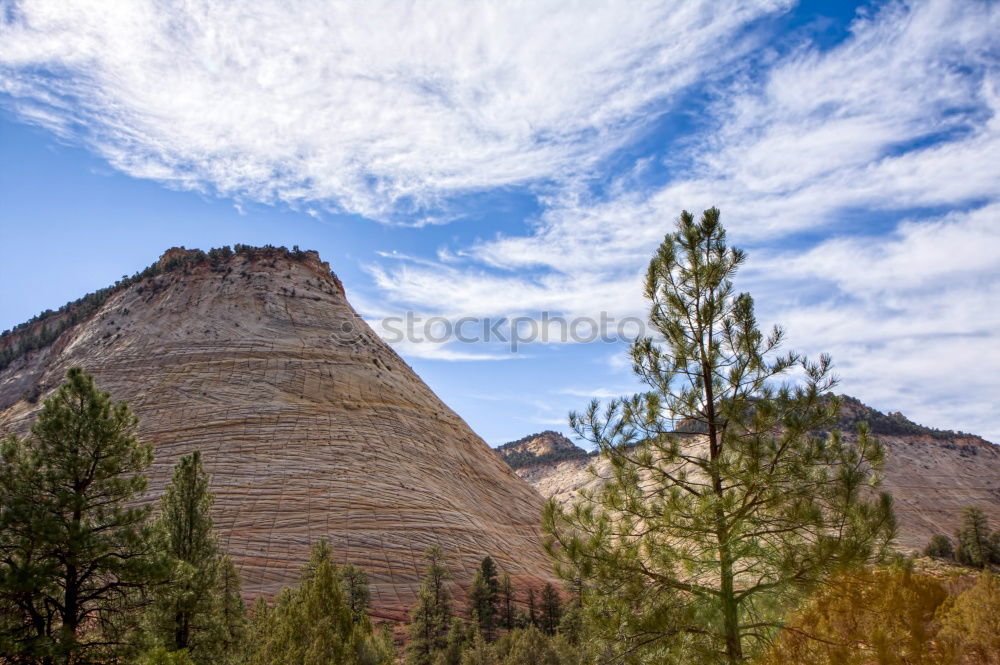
310	425
932	474
546	447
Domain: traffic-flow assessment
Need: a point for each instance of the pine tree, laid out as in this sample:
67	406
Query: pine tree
973	536
551	610
452	652
478	651
704	535
430	619
940	546
186	612
355	582
75	550
572	621
508	616
232	611
312	624
532	608
484	599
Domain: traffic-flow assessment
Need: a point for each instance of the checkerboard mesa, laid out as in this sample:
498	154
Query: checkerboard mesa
310	425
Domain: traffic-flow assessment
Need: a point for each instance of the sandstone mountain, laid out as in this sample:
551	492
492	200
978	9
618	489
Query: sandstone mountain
310	425
932	474
546	447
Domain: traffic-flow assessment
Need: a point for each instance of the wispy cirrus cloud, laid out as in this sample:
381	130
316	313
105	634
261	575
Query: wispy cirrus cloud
378	108
863	177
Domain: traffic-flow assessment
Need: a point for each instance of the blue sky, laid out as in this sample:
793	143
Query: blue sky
505	159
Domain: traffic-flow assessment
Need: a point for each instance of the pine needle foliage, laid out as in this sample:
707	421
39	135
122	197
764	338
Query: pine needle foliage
431	617
76	553
698	543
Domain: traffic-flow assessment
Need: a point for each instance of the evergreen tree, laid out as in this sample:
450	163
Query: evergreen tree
703	537
232	611
75	550
530	646
484	599
355	582
508	612
452	652
940	546
970	624
430	619
551	610
313	624
260	627
974	543
478	651
532	608
571	625
185	614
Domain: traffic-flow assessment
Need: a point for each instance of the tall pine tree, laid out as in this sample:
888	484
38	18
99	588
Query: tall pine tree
355	583
507	610
231	612
551	610
532	608
703	537
185	612
484	599
75	551
975	547
430	618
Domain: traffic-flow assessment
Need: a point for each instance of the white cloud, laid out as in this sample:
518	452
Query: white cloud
372	107
383	108
595	393
903	116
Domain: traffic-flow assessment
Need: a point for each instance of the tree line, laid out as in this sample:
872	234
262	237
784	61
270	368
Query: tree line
45	328
975	543
543	629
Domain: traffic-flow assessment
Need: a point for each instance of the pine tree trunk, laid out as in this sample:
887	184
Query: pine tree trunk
730	614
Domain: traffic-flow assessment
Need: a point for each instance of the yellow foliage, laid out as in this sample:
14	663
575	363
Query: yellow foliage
868	617
893	617
970	625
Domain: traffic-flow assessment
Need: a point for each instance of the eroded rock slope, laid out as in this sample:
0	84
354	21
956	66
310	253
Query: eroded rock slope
310	425
932	474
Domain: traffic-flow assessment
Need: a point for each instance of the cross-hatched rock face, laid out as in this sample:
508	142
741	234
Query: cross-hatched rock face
310	425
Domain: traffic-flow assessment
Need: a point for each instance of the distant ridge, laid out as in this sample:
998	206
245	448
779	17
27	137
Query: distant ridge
932	474
542	448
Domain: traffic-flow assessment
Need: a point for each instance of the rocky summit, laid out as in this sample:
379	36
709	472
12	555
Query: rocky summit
311	427
933	475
